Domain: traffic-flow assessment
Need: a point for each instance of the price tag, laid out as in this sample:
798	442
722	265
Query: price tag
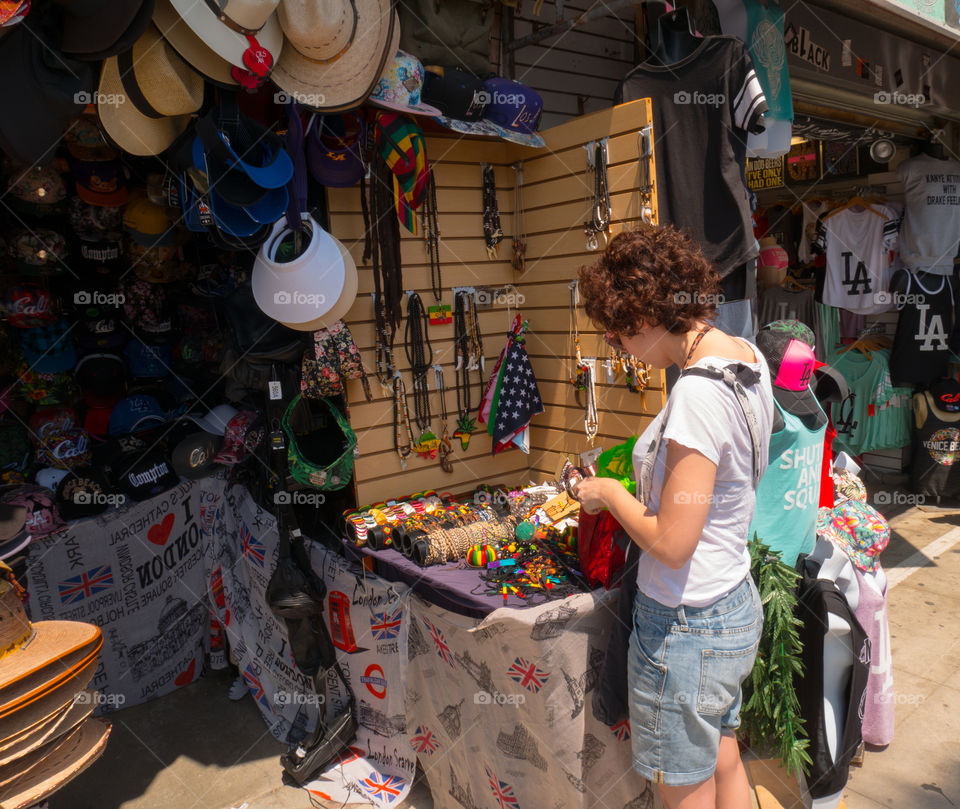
275	391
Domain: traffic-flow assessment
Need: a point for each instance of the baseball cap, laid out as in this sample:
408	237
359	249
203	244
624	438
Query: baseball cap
96	420
333	149
44	389
29	304
216	420
136	412
83	493
36	190
461	97
514	110
100	183
65	447
193	457
946	395
94	223
101	379
48	349
38	251
243	434
50	476
149	224
147	309
51	419
12	519
858	529
42	517
148	361
142	475
85	141
787	346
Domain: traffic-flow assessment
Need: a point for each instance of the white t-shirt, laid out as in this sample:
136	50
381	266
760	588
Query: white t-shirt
706	416
858	247
931	225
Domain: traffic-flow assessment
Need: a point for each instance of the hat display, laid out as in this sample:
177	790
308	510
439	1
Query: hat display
46	88
787	346
400	86
334	51
152	93
98	29
190	46
333	149
194	455
312	290
856	528
136	412
100	182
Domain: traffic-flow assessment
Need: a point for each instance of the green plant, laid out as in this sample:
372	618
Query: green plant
771	712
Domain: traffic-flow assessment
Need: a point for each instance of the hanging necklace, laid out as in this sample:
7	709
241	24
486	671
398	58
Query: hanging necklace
401	420
461	339
579	380
492	232
445	450
420	356
431	235
600	211
519	259
590	422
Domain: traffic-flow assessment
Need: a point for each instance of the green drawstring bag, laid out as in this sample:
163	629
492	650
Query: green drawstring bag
617	463
320	444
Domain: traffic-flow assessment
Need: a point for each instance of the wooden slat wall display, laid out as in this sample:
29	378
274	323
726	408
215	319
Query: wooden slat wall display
576	72
557	196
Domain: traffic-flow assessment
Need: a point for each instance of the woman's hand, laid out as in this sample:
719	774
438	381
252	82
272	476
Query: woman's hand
593	493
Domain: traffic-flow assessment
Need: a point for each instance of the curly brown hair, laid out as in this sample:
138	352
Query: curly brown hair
655	276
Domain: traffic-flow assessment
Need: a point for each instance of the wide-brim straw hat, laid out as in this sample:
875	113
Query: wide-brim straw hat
52	727
190	46
64	760
225	34
146	95
315	289
335	51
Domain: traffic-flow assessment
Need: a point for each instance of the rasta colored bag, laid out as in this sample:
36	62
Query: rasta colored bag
321	444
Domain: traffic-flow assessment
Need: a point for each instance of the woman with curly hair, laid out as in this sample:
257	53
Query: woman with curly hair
697	615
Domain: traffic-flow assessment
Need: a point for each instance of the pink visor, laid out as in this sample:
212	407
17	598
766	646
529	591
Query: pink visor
796	367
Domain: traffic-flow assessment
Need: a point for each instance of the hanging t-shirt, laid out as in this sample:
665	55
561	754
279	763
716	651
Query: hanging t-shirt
935	470
931	221
826	470
760	26
703	107
826	328
921	352
858	266
871	612
811	211
780	303
789	492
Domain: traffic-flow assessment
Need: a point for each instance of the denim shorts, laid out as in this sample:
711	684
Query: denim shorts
684	671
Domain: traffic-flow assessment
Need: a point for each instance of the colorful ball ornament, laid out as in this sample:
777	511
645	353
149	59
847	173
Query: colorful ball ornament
525	531
481	555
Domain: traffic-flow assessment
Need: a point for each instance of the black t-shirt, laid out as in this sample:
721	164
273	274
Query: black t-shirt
921	351
703	107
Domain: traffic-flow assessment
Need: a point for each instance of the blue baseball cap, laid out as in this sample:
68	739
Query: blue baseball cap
514	110
48	349
148	361
136	412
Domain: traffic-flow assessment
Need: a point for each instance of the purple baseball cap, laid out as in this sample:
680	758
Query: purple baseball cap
514	110
333	149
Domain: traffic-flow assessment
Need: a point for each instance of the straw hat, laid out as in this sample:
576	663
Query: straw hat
53	727
190	46
334	50
147	94
51	701
62	761
227	33
313	290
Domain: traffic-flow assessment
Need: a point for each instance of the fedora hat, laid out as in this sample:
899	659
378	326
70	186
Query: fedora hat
234	28
147	94
190	46
98	29
334	50
62	761
312	290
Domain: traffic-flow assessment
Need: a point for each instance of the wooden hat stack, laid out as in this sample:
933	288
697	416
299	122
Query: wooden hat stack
47	735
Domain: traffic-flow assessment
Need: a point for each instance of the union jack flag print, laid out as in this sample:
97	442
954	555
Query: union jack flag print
253	683
438	641
528	675
253	548
424	741
385	788
621	730
502	791
386	625
89	583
